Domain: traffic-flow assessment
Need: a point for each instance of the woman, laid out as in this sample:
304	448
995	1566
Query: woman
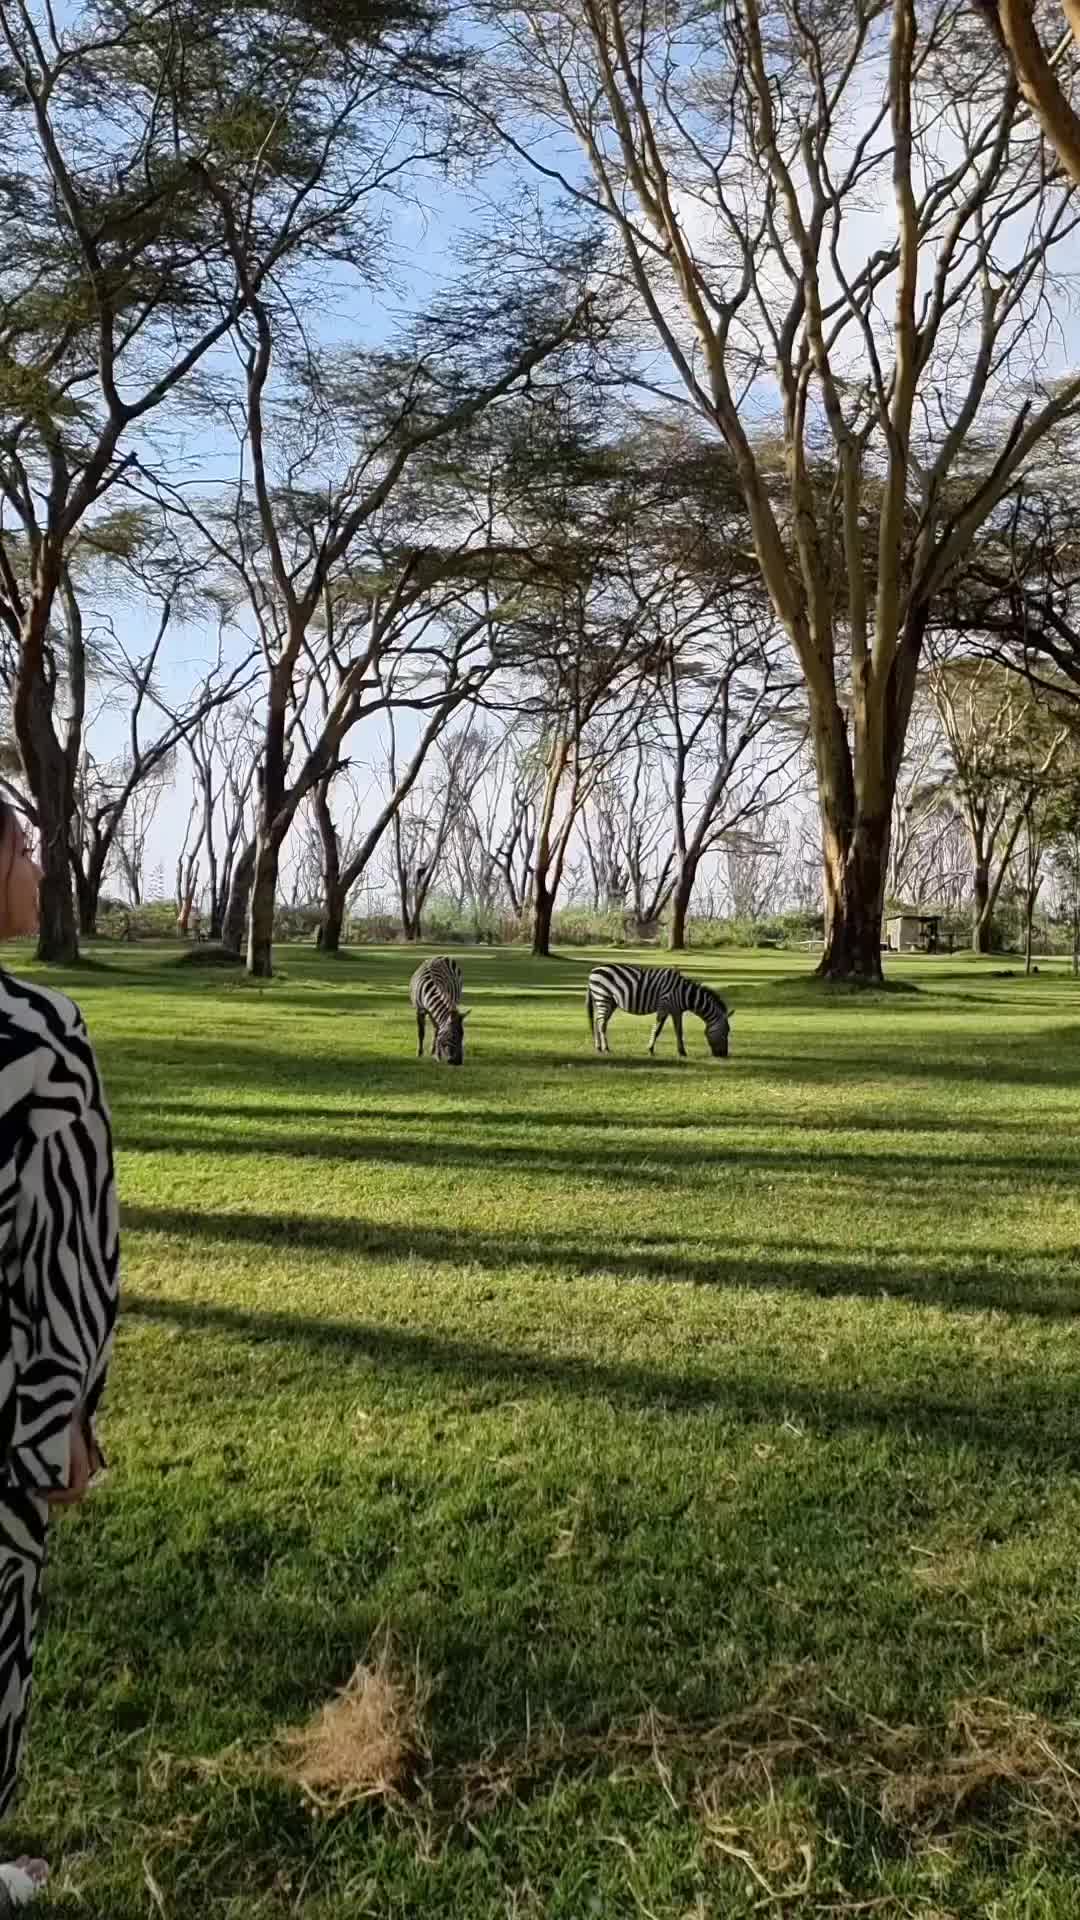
58	1291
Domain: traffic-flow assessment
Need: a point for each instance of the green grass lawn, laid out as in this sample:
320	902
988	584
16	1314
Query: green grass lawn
704	1436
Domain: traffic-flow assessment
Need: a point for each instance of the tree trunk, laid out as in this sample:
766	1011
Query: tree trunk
221	895
260	947
88	895
545	884
187	908
51	780
236	909
854	868
58	938
982	910
1032	877
680	904
856	789
333	920
333	913
543	909
213	893
421	890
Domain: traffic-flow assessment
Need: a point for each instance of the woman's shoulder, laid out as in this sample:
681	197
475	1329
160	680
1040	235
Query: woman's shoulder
48	1072
38	1014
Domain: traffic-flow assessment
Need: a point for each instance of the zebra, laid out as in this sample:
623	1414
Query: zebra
435	990
663	991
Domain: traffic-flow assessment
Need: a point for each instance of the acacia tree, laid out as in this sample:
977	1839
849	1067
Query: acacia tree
621	581
590	724
418	840
446	664
517	842
720	693
753	874
1037	73
733	155
223	753
1002	749
600	834
422	830
1016	599
188	869
723	738
131	136
627	829
1064	860
493	830
96	677
130	845
920	824
585	647
111	828
302	552
1035	841
480	773
107	792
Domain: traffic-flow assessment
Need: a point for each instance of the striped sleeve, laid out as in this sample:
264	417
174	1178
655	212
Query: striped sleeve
58	1232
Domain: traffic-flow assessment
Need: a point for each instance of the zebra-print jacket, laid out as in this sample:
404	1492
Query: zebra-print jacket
59	1241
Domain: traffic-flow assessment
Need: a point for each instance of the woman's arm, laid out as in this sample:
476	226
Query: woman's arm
63	1272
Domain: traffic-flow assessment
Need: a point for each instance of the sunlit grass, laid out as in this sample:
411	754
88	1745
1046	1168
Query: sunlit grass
701	1437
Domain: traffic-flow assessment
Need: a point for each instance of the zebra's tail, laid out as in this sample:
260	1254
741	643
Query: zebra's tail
589	1009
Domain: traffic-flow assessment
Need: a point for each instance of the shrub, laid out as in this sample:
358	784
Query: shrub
154	920
775	930
372	930
600	927
297	923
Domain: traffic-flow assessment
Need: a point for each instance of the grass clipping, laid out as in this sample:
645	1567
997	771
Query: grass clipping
364	1744
988	1763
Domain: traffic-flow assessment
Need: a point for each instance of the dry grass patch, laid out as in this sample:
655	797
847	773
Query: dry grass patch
929	1780
367	1743
991	1748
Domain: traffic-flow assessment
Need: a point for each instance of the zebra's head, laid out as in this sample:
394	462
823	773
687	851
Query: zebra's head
718	1030
450	1039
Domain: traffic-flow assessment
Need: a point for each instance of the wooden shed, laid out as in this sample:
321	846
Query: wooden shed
912	932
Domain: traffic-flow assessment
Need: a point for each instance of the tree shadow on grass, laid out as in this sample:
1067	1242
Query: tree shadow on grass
1028	1288
697	1165
1004	1422
1051	1060
612	1121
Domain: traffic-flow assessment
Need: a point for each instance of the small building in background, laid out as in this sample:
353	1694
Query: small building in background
911	932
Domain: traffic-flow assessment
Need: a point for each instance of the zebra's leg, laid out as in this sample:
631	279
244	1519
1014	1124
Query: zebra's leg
601	1029
657	1031
421	1027
676	1021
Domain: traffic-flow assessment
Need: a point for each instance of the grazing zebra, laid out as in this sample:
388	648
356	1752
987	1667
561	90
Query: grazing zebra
663	991
435	990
